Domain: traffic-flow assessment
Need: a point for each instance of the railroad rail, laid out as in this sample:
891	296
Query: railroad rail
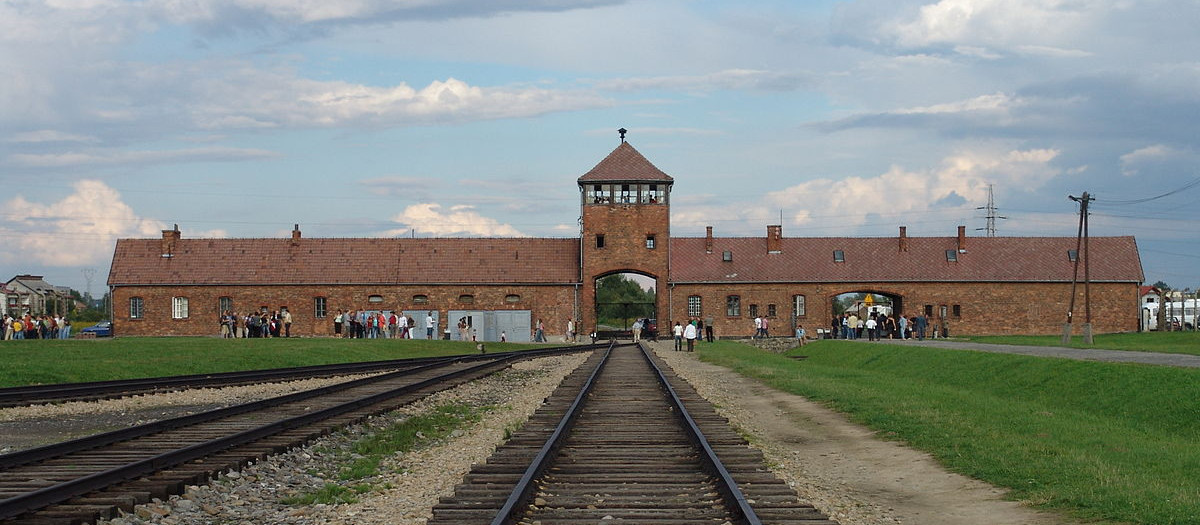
93	390
623	440
90	478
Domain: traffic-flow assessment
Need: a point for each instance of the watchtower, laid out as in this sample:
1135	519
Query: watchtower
626	219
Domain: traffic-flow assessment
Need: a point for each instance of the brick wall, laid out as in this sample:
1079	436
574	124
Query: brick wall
625	227
550	303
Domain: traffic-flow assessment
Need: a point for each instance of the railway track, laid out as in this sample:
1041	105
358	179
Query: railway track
90	478
624	441
90	391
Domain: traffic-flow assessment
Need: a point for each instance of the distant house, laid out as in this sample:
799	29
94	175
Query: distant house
33	295
964	285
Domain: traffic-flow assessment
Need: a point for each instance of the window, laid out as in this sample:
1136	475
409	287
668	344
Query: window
754	310
512	298
420	299
135	308
650	242
375	299
319	309
466	298
951	256
839	256
770	310
599	240
942	312
694	306
727	256
226	305
798	306
929	310
627	195
733	306
179	307
1072	255
957	309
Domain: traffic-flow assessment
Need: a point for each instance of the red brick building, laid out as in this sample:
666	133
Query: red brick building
970	285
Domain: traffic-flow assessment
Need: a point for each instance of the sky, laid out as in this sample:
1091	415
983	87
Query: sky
444	118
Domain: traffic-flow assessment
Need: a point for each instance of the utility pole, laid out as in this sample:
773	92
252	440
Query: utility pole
1081	241
991	214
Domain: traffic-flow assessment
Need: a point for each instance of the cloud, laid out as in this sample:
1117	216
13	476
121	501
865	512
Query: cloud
80	229
429	219
115	157
1154	154
948	193
49	135
730	79
226	17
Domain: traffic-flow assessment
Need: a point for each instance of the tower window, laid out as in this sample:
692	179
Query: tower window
650	242
599	240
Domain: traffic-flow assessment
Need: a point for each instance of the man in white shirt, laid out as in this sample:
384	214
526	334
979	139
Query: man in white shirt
689	333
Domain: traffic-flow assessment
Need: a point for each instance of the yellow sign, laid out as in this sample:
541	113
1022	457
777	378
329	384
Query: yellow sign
869	300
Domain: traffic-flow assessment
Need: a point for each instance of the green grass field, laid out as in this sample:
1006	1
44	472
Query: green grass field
1167	342
1098	441
29	362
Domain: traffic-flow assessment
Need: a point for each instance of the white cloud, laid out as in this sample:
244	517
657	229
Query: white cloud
49	135
461	220
116	157
950	192
80	229
730	79
990	28
1149	154
994	102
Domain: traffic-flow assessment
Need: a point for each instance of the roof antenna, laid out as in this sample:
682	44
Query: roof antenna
622	131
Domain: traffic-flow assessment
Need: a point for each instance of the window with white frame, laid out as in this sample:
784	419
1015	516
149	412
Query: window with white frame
694	306
798	306
136	308
179	307
319	309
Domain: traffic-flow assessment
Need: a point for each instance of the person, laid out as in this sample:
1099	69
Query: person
758	327
539	332
287	323
637	330
429	325
708	329
337	324
872	328
765	331
689	333
919	324
503	336
903	327
65	330
891	327
678	330
853	321
800	334
570	337
462	329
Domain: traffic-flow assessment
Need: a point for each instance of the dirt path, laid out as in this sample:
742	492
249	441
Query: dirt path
842	467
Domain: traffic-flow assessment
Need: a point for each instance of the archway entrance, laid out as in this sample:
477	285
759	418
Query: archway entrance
622	300
864	304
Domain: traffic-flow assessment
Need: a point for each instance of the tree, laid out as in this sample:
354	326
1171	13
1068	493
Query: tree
619	298
1161	285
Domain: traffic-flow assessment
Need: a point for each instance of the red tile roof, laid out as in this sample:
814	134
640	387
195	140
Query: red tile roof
1028	259
625	164
346	261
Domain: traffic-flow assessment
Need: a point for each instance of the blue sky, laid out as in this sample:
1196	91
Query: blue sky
370	118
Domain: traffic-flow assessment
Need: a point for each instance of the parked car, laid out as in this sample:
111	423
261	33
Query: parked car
101	329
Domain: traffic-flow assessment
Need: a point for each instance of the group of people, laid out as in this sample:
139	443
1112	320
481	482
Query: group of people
690	332
36	327
276	323
375	324
878	326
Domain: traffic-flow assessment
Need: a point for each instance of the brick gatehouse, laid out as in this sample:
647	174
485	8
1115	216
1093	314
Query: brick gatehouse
969	285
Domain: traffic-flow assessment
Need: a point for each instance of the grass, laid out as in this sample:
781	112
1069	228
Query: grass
30	362
370	451
1166	342
1099	441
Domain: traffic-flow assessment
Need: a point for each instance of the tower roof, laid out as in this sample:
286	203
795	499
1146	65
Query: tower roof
625	164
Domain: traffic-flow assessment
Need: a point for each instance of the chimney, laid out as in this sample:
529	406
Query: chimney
904	238
962	239
296	235
775	238
708	243
170	237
